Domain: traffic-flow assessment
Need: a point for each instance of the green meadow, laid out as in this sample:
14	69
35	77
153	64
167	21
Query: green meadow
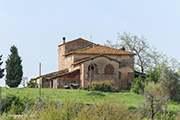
127	98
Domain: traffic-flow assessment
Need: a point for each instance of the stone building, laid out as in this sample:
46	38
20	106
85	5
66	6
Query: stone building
81	61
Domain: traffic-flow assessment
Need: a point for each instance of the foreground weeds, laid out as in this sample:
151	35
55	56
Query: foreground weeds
68	109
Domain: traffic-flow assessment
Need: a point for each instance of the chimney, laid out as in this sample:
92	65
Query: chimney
122	48
64	40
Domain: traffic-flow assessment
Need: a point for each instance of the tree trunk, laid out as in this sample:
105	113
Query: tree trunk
152	108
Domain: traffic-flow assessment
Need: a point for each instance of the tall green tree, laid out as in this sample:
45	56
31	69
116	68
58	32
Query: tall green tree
14	68
1	70
170	82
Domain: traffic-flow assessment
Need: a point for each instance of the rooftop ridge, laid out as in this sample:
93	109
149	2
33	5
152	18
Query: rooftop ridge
100	49
75	40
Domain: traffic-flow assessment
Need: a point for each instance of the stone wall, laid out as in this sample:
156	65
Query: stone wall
109	70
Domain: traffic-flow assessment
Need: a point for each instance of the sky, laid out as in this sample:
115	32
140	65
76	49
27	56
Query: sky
37	27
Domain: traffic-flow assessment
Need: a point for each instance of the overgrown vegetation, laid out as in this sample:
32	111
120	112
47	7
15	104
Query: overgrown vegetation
15	103
108	105
69	109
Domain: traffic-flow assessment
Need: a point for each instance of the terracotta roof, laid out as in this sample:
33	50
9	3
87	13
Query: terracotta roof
53	73
74	41
89	58
62	74
99	49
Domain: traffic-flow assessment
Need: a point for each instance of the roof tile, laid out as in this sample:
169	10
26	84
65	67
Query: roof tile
99	49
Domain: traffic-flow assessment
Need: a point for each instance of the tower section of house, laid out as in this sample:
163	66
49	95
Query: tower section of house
66	47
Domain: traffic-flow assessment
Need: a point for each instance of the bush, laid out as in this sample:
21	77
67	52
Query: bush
32	84
15	103
95	85
104	87
138	85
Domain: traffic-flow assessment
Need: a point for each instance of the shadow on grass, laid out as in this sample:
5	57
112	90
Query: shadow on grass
95	93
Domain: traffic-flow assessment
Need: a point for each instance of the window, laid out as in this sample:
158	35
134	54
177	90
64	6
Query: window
109	69
119	75
119	65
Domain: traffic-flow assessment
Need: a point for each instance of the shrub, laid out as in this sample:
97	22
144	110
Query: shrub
32	84
104	87
16	103
95	85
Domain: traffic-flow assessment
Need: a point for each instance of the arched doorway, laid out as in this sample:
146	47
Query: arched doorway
90	70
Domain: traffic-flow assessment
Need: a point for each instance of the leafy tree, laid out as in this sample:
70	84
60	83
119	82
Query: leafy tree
1	70
155	100
14	68
32	83
153	75
134	44
147	57
138	85
169	80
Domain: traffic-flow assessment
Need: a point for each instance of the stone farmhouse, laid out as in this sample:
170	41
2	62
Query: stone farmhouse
81	61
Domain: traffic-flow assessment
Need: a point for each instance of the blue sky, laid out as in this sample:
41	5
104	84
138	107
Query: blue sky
36	27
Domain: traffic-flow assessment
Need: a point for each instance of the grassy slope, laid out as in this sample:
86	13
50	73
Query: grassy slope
129	99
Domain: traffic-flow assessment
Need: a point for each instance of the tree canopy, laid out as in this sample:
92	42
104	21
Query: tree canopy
14	68
147	57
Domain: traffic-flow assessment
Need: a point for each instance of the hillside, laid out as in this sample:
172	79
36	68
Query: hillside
127	98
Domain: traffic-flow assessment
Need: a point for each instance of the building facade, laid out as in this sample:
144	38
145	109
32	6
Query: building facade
81	61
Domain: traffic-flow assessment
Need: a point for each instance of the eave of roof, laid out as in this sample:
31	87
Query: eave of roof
99	49
62	74
140	74
74	41
50	74
90	58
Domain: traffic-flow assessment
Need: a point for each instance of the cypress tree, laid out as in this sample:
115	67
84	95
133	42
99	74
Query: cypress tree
13	68
1	70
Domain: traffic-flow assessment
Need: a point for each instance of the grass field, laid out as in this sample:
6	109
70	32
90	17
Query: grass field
127	98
